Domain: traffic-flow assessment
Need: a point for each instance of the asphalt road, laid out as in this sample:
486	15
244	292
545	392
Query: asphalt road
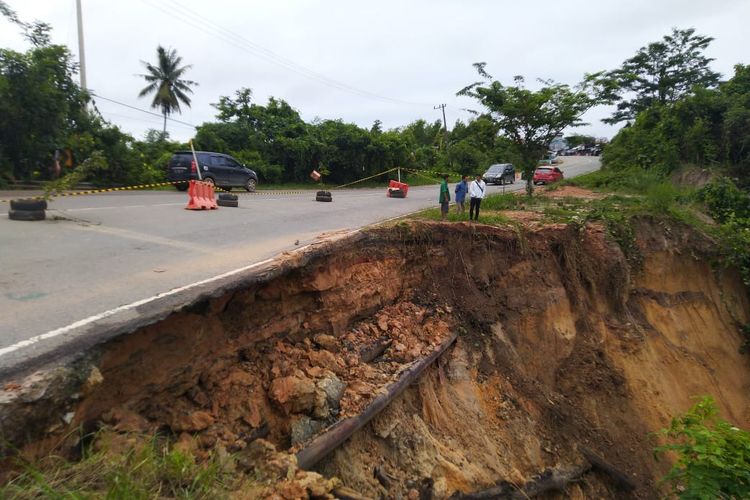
98	252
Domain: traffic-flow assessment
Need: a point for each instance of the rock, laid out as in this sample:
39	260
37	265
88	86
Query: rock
325	359
253	416
333	388
327	342
293	394
383	324
440	488
94	379
128	421
321	409
192	422
304	428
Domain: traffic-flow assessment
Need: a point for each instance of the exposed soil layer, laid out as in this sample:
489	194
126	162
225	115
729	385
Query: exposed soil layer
562	345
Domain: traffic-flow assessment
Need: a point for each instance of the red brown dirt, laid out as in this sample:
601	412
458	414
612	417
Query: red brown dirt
571	192
562	344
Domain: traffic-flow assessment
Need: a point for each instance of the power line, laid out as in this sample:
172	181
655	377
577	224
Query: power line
140	109
198	21
143	120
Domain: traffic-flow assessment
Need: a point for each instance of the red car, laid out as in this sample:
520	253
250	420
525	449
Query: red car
546	175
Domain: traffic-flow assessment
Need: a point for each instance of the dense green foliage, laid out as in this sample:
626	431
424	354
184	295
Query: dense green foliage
711	128
275	141
659	74
713	457
43	110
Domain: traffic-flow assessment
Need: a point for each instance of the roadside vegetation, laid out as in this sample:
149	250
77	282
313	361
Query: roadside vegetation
713	456
144	468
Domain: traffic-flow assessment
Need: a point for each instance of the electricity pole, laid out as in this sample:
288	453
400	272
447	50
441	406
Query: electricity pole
81	53
445	124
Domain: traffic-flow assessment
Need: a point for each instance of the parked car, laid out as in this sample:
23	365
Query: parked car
216	168
500	173
546	175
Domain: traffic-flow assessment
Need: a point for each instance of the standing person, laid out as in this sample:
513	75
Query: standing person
445	197
461	190
476	193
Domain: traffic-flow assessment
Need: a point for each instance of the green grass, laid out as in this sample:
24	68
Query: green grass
484	218
633	180
150	468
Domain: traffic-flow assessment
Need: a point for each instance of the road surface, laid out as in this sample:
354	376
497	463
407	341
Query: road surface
100	252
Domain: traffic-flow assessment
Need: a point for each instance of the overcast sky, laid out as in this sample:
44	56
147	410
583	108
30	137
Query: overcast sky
363	61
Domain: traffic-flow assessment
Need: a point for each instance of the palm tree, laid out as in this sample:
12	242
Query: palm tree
165	82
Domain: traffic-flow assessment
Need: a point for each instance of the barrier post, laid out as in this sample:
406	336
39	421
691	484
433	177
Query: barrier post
195	159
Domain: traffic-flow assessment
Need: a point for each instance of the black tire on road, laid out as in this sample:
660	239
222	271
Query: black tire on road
227	197
26	215
209	180
31	204
182	186
250	185
397	193
227	203
323	193
323	198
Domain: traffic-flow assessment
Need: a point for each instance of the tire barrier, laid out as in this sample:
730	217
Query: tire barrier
324	196
201	196
27	215
27	209
227	200
28	204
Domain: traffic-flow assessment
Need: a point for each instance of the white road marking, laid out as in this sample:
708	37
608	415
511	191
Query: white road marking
121	206
65	329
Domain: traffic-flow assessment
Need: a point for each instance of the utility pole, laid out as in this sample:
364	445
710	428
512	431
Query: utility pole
445	124
81	53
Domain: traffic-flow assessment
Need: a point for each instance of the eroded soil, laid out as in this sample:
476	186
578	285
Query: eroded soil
563	344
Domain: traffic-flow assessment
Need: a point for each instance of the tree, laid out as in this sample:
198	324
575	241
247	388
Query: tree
660	73
574	140
41	105
532	119
166	83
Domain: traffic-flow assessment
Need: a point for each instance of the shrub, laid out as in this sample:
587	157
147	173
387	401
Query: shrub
724	199
713	457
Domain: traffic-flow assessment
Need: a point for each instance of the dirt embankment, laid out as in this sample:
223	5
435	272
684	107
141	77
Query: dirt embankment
563	345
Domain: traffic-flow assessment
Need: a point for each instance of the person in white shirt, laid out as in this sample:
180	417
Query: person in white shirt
477	189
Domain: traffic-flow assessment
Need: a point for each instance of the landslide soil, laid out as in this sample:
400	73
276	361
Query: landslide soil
563	344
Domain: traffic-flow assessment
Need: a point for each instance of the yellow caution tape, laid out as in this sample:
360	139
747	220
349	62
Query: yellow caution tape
96	191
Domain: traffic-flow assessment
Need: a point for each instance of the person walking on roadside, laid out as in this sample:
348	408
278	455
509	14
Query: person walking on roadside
445	197
476	193
461	189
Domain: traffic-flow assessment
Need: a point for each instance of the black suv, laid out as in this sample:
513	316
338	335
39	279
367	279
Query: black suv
217	168
500	173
